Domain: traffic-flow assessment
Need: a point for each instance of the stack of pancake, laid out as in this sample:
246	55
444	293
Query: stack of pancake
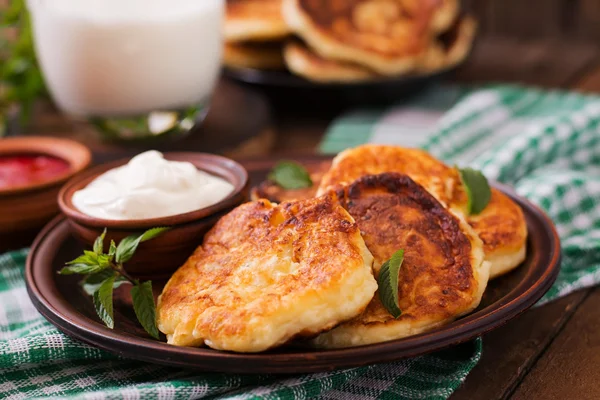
304	263
347	40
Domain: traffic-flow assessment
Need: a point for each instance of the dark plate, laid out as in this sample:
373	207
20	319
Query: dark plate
64	304
283	86
285	79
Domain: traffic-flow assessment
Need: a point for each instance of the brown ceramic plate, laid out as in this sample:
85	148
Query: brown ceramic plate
64	304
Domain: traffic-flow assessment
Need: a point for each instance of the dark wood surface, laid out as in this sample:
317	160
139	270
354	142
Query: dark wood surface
552	351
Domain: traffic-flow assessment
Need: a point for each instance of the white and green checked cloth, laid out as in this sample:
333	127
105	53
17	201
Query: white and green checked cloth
545	144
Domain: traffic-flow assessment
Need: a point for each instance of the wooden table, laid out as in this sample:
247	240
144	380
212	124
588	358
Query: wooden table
551	352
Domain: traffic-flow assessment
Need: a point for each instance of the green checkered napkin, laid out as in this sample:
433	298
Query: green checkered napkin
545	144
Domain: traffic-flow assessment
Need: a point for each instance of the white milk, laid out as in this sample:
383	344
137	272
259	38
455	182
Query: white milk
128	57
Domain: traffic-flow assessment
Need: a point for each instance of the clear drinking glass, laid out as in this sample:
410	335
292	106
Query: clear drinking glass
133	68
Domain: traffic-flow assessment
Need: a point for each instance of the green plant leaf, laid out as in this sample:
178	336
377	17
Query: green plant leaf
93	282
144	307
104	261
86	259
290	175
103	302
388	283
112	250
127	247
99	243
81	269
477	188
152	233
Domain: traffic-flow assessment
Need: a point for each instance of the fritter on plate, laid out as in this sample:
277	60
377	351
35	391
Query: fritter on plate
266	274
386	36
503	230
500	225
443	275
370	159
254	20
302	61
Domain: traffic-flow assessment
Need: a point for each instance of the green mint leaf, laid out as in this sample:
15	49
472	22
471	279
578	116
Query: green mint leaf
85	259
127	247
290	175
104	260
103	302
112	250
92	283
477	188
81	269
388	283
99	243
152	233
144	307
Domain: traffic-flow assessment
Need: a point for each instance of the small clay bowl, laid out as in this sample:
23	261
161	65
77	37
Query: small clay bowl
161	256
25	209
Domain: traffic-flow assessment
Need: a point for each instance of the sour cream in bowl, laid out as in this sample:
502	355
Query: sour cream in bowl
149	186
188	192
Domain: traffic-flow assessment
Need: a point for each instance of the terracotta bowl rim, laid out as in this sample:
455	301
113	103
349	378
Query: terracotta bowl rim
79	181
77	155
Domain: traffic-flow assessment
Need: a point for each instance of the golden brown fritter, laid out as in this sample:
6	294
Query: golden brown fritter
503	230
370	159
252	55
387	36
502	218
267	273
275	193
442	276
255	20
303	62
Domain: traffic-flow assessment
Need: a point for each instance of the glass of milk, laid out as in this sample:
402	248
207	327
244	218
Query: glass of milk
134	68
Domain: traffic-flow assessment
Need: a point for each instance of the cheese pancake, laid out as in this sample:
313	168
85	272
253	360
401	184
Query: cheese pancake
501	224
266	274
271	191
503	230
251	55
439	179
303	62
443	275
254	20
386	36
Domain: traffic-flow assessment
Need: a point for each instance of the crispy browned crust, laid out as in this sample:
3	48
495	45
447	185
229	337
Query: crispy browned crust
439	179
228	290
275	193
388	36
436	278
388	28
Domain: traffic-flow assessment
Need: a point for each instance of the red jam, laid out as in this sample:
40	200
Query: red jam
25	170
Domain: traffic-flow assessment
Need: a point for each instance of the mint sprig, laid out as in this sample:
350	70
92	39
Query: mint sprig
388	283
478	190
105	272
290	175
